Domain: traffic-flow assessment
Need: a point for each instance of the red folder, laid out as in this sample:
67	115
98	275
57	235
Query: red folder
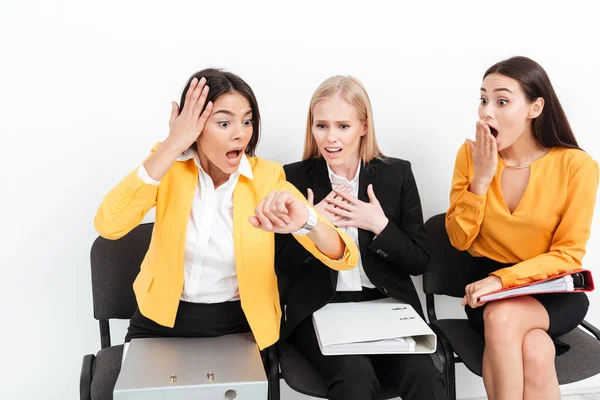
580	280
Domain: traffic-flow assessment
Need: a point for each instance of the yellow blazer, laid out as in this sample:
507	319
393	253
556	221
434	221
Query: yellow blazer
159	284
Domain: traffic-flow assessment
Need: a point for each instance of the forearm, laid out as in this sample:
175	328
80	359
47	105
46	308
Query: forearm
327	240
478	186
464	219
162	159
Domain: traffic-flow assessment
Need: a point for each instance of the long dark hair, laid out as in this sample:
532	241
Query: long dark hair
221	82
551	128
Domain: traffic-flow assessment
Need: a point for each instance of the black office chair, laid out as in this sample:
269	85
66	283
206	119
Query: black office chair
447	275
115	264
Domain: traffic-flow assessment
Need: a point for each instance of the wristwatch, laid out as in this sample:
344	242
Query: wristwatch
310	223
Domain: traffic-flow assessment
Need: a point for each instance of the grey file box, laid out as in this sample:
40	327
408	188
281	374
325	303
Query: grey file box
226	367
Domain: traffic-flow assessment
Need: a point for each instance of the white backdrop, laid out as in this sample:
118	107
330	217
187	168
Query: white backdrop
85	91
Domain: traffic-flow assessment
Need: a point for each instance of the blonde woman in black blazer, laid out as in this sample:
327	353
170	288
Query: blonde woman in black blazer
375	200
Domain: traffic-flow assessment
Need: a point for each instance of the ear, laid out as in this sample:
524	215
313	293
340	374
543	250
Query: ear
365	129
536	108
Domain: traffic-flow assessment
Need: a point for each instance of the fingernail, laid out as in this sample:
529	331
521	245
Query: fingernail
269	226
203	79
287	220
282	225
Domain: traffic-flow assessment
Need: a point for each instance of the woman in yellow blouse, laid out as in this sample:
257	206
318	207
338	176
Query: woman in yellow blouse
209	269
522	200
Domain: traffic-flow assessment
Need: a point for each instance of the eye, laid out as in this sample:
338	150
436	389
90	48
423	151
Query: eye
344	126
224	124
502	102
248	122
483	100
321	126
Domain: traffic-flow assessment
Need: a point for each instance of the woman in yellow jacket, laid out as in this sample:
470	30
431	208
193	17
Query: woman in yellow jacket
522	200
209	270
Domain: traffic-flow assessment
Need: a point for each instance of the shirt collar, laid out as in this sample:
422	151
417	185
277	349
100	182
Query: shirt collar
333	176
244	169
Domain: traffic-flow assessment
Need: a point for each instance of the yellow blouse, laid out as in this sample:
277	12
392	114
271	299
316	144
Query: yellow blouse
547	232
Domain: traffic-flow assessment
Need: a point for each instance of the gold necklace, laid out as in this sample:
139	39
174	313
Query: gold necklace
517	167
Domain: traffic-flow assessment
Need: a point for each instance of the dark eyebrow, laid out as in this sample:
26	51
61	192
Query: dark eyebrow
227	112
499	90
231	114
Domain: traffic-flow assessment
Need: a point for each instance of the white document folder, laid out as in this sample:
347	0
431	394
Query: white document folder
385	326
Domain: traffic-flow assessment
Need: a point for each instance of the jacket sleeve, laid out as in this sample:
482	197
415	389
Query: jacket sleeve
124	207
465	215
292	251
403	242
569	241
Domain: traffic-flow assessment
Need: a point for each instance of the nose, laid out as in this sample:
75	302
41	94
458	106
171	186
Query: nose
485	112
240	133
331	136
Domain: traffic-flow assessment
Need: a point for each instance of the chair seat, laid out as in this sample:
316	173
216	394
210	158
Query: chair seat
584	351
300	375
105	372
581	361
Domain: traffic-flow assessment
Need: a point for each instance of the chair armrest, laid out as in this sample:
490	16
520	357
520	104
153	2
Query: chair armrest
85	379
273	372
591	328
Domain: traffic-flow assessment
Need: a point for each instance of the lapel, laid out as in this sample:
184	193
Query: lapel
185	188
319	179
367	176
250	244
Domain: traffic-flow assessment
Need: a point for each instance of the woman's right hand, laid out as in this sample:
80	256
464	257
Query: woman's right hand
322	206
186	127
485	157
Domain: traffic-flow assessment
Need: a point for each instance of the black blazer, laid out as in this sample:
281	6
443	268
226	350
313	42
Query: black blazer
306	284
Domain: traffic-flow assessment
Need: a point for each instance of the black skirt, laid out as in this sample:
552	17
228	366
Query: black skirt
193	320
565	310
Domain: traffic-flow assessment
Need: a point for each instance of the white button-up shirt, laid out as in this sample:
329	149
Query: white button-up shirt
354	279
209	259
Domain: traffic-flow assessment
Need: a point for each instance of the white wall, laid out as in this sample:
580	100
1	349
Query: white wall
85	92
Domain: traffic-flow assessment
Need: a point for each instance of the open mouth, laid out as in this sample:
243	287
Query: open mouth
234	155
493	131
333	150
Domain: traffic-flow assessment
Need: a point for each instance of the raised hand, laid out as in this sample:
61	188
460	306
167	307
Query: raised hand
185	127
321	207
368	216
485	157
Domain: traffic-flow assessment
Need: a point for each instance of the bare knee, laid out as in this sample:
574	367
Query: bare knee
499	323
538	357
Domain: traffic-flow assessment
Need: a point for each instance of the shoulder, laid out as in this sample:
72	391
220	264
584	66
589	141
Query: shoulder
388	165
573	160
265	171
258	163
299	167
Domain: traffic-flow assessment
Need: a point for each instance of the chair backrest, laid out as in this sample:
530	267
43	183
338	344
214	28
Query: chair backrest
115	264
447	272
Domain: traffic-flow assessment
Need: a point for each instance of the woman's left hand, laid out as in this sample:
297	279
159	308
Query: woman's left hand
367	216
280	212
479	288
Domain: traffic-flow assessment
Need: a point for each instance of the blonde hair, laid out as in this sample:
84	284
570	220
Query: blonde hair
351	90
